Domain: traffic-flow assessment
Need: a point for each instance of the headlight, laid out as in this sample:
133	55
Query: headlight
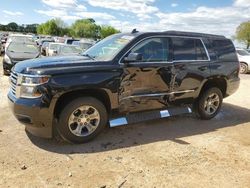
29	86
7	59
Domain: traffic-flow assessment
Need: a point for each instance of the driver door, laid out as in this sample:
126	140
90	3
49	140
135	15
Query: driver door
146	81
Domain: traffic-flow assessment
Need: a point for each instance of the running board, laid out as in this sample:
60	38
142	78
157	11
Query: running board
145	116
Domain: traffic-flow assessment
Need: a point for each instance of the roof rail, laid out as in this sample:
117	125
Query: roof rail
193	34
134	31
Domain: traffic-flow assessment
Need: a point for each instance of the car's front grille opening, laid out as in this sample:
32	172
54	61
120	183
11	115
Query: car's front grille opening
13	82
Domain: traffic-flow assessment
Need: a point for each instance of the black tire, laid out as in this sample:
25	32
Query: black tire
64	127
204	104
6	73
243	68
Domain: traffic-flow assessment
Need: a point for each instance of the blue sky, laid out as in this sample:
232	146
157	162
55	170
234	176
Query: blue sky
213	16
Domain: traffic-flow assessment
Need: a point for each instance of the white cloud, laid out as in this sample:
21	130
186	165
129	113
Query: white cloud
63	14
10	13
203	19
94	15
70	10
242	3
142	8
63	3
174	5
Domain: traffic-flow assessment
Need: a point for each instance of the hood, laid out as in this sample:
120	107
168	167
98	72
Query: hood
20	56
50	65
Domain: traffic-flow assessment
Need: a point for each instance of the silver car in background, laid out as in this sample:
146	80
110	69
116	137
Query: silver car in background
68	50
244	58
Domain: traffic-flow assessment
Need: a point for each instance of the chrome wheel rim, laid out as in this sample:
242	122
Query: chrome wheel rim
84	120
242	68
212	103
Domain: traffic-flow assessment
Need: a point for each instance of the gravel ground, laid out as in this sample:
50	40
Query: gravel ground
175	152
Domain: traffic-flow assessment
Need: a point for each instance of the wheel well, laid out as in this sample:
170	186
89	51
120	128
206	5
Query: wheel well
244	63
220	83
67	97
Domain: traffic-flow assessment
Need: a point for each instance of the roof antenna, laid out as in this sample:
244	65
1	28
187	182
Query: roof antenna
134	31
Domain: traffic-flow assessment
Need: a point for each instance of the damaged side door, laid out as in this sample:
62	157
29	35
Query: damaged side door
147	79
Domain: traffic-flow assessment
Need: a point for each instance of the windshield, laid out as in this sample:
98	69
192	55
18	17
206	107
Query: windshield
70	49
53	46
45	44
22	48
109	47
85	46
243	52
20	39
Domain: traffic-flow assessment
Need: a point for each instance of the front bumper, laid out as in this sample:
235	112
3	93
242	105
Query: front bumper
33	114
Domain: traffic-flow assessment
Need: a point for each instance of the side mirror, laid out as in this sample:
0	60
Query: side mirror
133	57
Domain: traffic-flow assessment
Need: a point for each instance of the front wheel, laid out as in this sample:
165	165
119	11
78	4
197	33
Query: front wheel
209	103
82	120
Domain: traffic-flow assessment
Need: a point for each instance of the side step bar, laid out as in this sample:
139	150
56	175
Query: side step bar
145	116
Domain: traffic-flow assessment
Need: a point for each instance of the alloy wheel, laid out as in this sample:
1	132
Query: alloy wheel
84	120
212	103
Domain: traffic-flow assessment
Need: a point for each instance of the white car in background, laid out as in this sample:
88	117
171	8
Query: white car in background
244	58
84	44
53	49
19	38
68	50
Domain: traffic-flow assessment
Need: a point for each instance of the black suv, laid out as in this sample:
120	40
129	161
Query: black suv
125	78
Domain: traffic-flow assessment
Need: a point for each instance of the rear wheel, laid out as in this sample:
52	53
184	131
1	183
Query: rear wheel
209	103
82	120
243	68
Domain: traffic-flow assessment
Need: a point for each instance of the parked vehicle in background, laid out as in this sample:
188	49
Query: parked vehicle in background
44	48
41	41
3	42
53	48
125	78
70	40
19	38
248	50
18	51
1	47
244	58
84	45
59	39
68	50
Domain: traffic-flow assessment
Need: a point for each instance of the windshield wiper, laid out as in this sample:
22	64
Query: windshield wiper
89	56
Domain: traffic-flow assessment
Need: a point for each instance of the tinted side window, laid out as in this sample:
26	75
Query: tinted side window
224	50
153	49
188	49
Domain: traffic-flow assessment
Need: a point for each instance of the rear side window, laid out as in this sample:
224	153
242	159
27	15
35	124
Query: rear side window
224	50
188	49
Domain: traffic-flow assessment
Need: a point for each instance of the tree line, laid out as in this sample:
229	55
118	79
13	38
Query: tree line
83	28
14	27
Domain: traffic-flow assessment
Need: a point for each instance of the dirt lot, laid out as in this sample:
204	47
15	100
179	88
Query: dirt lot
175	152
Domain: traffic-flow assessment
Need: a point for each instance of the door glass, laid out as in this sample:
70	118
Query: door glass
188	49
153	50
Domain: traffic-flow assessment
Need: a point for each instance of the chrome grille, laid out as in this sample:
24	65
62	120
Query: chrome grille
13	82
